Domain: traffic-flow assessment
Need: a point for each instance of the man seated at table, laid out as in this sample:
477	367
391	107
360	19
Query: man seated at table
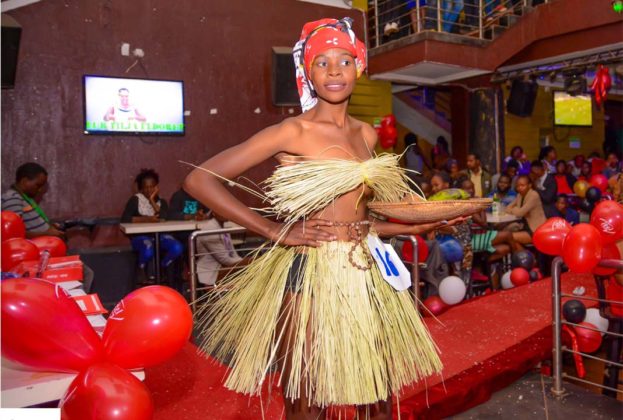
503	191
566	212
218	251
147	207
23	198
31	180
527	205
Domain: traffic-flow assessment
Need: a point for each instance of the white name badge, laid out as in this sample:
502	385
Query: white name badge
389	264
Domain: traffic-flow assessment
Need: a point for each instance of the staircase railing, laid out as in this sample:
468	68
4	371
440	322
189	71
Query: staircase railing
389	20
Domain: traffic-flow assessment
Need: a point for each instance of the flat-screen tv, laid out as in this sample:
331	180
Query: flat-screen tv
120	105
573	110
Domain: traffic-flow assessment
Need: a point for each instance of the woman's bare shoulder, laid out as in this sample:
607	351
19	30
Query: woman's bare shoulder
366	131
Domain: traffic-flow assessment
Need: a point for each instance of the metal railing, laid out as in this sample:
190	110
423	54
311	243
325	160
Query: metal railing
558	324
415	267
194	272
464	17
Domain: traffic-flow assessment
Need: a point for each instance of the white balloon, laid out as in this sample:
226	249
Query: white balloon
452	290
506	281
593	317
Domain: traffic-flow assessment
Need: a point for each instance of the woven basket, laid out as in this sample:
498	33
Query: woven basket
430	211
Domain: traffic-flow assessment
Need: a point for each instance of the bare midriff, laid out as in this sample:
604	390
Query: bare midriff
347	208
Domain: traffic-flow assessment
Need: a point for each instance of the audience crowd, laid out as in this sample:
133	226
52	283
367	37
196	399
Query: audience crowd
525	193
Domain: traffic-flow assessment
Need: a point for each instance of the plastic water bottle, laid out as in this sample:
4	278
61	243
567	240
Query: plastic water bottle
495	206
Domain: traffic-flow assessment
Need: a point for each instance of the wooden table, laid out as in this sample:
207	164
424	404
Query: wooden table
156	229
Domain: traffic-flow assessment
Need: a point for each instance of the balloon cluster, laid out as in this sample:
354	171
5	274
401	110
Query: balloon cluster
582	246
16	249
452	290
590	191
388	135
146	328
523	270
589	338
601	84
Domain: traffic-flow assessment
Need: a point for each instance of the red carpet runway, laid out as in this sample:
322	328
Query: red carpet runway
486	344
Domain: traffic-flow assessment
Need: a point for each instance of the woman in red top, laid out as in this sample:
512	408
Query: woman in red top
564	180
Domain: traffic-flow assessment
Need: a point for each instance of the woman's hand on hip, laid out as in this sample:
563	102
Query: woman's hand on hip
309	233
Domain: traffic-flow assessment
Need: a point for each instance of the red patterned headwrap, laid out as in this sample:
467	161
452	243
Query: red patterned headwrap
316	38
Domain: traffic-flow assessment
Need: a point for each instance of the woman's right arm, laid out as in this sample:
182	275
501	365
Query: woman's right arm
511	206
208	188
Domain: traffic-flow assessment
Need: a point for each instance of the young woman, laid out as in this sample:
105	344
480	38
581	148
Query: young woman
146	206
316	303
529	207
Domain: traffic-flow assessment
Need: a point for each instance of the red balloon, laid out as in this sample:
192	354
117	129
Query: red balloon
44	329
386	143
388	120
520	276
589	341
106	391
599	181
422	250
582	248
607	217
147	327
435	305
56	246
550	236
16	250
608	252
12	225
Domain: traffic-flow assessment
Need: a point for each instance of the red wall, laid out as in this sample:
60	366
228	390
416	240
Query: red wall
220	48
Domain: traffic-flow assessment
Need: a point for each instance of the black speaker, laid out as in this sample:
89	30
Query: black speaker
284	91
522	97
115	272
10	49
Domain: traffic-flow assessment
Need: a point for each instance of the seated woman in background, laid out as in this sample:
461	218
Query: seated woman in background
147	207
528	206
440	153
456	175
414	157
586	171
574	166
548	156
517	155
564	180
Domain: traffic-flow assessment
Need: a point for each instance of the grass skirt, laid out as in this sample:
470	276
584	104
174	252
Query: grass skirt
350	338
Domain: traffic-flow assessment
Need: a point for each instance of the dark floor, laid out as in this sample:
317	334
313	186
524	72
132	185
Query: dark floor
525	400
